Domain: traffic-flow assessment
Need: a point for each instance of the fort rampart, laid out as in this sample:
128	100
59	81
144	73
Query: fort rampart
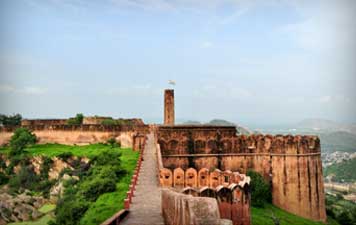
129	136
292	164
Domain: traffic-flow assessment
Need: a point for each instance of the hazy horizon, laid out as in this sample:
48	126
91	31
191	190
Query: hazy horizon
249	62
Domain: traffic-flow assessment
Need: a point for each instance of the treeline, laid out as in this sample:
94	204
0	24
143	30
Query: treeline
343	211
10	120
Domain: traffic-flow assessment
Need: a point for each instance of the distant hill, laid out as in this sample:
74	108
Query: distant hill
192	122
326	125
334	136
318	124
342	172
220	122
338	141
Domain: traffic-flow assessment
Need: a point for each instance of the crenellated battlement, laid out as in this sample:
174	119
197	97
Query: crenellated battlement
82	127
292	164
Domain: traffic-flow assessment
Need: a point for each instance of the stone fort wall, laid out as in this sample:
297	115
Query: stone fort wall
292	164
129	136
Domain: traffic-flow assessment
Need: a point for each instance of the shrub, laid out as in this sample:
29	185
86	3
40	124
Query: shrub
26	179
70	210
2	164
107	158
260	190
343	218
46	166
92	188
15	160
45	187
13	120
109	122
77	120
101	178
113	143
21	138
65	156
3	178
104	172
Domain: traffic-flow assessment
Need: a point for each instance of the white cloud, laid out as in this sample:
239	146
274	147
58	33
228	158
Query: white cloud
325	99
5	88
329	26
337	99
34	90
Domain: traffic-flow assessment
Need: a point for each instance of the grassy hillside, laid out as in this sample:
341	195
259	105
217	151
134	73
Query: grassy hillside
262	216
52	150
106	204
109	203
344	171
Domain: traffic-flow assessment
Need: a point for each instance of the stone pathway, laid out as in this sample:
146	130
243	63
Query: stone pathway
145	208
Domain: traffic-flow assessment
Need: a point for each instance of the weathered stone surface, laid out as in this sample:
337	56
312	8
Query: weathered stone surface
80	135
19	208
291	163
180	209
169	107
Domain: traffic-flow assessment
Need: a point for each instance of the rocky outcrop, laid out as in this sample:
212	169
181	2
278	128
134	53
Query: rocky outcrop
58	189
57	165
21	207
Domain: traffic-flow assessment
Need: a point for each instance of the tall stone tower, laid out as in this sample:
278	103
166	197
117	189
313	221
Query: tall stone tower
169	107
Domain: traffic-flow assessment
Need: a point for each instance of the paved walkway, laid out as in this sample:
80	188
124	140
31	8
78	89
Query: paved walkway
146	204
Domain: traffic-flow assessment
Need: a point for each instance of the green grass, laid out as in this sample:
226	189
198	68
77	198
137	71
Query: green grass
42	221
52	150
110	203
261	216
47	208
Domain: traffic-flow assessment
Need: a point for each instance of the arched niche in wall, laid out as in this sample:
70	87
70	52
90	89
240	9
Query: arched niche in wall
226	146
166	177
178	177
203	177
199	146
164	147
173	146
212	146
191	177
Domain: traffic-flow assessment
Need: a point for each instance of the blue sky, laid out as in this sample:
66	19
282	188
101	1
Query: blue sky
251	62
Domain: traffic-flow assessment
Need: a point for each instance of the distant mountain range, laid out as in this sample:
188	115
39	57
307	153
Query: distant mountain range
220	122
326	125
334	136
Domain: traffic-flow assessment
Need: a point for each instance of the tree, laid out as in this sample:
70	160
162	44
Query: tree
21	138
260	189
343	218
77	120
14	120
